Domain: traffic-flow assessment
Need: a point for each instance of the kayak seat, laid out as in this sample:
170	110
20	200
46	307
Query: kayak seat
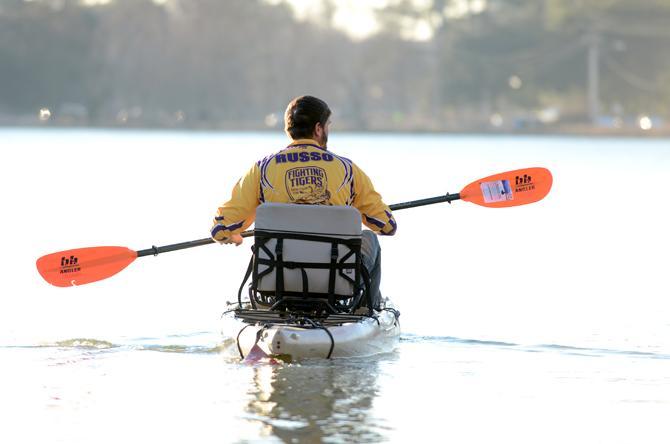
307	259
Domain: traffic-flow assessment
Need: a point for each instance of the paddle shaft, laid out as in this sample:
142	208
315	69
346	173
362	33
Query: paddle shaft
208	240
422	202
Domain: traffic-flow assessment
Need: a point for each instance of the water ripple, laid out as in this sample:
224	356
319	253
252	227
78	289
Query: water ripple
539	348
420	338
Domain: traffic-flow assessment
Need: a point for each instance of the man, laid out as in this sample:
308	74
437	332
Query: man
305	172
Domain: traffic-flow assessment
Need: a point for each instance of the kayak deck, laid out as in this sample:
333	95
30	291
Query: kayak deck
294	336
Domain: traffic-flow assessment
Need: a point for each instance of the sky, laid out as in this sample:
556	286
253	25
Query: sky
357	18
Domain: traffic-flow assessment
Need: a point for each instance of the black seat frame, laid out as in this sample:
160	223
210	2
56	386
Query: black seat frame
306	301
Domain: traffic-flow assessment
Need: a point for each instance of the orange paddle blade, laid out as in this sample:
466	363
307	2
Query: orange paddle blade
83	265
518	187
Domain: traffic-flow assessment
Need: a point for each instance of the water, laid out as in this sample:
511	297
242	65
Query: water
544	323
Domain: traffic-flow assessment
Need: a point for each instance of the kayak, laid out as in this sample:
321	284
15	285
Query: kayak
291	336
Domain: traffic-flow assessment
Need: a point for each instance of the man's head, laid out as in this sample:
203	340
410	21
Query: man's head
307	117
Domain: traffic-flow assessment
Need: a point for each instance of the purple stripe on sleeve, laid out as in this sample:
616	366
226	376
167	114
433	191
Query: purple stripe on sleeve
264	178
392	222
221	227
216	229
348	171
375	222
394	226
235	226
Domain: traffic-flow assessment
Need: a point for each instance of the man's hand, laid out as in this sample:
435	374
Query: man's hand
233	239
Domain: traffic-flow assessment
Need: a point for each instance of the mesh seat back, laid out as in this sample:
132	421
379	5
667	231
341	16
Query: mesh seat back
324	222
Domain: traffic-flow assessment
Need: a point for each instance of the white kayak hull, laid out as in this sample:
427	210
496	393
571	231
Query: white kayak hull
364	337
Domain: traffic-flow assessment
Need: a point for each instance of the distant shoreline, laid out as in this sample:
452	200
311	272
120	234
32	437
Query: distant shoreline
576	131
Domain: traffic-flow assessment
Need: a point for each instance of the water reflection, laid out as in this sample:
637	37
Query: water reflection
310	401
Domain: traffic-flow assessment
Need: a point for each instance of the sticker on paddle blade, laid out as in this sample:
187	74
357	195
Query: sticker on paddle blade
509	189
496	191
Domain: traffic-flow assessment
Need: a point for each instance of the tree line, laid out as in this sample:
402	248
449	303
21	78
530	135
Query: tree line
235	64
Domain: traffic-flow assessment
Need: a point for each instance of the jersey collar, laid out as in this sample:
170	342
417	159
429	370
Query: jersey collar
303	142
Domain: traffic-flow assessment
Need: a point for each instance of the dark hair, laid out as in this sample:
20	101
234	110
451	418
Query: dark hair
302	115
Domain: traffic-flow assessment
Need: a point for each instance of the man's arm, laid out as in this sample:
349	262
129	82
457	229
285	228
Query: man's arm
375	213
239	212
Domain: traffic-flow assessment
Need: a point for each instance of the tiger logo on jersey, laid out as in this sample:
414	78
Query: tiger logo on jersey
307	185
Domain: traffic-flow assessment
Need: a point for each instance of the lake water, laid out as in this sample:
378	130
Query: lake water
544	323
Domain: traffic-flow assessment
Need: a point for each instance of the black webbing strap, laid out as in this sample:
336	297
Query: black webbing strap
276	262
279	273
305	283
334	253
260	245
354	266
293	264
305	280
308	237
244	281
271	265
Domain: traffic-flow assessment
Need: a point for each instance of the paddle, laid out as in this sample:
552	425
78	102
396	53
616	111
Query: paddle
84	265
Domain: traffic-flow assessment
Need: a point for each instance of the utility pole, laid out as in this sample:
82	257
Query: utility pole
593	63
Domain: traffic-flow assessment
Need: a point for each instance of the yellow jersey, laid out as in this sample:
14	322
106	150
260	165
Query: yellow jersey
303	173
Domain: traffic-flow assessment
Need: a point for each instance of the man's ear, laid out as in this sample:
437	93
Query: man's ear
318	130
